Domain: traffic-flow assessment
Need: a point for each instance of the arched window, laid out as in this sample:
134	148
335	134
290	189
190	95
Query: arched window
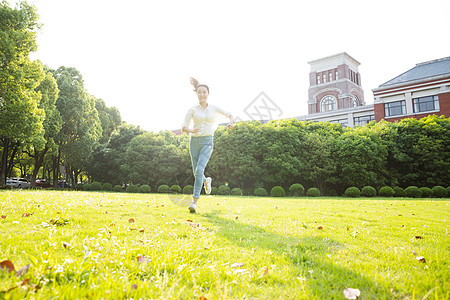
328	103
355	101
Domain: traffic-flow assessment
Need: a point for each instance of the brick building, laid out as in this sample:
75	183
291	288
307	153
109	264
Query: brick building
420	91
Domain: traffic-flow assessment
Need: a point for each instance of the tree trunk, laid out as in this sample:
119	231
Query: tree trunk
3	166
38	161
10	166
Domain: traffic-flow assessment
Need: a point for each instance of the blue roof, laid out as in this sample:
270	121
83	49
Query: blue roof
423	70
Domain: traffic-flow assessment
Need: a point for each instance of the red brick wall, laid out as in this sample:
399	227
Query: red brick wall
444	104
379	111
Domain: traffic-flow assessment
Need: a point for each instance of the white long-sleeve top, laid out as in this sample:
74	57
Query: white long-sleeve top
204	119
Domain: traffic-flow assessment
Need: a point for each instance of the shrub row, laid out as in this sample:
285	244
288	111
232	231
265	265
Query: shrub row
387	191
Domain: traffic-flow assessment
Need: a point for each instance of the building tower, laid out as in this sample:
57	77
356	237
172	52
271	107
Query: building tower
334	84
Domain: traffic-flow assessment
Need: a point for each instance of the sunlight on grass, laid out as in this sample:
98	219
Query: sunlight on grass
108	245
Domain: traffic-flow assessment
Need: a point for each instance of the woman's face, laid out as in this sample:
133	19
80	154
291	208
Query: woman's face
202	94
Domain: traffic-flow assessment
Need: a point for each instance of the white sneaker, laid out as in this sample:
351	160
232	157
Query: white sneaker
193	207
207	185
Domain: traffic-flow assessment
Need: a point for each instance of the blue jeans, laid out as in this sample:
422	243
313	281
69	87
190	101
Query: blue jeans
200	148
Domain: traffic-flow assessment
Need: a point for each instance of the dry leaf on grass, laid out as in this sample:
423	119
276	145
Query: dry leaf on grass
236	265
8	265
143	259
23	271
131	220
350	293
421	259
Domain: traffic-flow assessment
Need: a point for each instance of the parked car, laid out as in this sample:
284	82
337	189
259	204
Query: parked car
63	184
43	183
18	183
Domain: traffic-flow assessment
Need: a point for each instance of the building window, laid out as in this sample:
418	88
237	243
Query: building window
426	104
336	75
328	103
324	78
361	121
342	122
318	79
355	102
330	76
397	108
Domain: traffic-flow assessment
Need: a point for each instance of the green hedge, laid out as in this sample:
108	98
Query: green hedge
145	188
163	189
296	189
236	192
132	189
107	187
118	188
277	191
353	192
368	191
413	192
439	191
386	191
261	192
189	189
313	192
399	192
426	192
175	188
223	190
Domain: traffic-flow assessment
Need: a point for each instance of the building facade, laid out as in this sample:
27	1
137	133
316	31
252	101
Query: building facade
418	92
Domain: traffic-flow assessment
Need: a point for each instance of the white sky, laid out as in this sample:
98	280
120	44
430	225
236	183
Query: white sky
138	55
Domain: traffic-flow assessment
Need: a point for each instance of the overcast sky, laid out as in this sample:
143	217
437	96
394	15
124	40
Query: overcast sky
138	55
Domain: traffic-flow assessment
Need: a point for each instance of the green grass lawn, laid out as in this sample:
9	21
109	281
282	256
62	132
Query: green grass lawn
81	245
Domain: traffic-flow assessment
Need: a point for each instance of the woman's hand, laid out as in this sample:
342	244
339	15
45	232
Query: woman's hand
230	126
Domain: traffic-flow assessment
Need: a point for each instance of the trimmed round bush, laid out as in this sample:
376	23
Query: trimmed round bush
296	189
399	192
96	186
439	191
261	192
313	192
223	190
163	189
189	189
79	187
118	188
277	191
413	192
145	188
236	192
214	190
353	192
368	191
448	190
175	188
426	192
107	186
386	191
87	187
132	188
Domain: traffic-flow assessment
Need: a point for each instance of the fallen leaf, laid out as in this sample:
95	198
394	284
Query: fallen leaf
400	215
143	259
426	226
414	252
418	237
8	265
66	245
202	298
266	271
189	221
237	218
320	227
3	217
421	259
237	265
23	271
350	293
131	220
141	230
134	286
26	215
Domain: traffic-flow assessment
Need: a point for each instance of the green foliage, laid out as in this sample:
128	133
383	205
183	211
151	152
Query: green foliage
399	192
426	192
175	188
368	191
87	187
353	192
145	188
313	192
413	192
296	189
118	188
189	190
132	188
439	191
107	186
277	191
79	187
214	190
261	192
223	190
96	186
386	191
163	189
236	192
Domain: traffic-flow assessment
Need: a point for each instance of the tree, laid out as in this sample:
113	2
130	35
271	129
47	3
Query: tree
109	118
20	117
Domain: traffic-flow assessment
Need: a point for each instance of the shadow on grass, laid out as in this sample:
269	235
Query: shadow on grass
325	279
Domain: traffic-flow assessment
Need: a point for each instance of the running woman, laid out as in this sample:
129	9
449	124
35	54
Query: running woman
201	143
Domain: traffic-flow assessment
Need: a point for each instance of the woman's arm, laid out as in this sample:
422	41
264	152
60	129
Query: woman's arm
231	124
